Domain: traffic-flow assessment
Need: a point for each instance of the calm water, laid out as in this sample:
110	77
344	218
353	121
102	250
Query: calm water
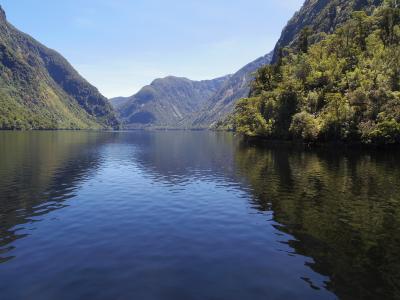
194	215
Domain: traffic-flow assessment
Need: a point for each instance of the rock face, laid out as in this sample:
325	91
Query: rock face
39	89
223	101
166	102
321	16
2	14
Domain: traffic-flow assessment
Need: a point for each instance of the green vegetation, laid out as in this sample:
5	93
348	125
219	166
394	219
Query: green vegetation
345	87
39	89
321	17
342	207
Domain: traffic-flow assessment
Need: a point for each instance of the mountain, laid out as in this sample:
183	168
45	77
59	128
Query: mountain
166	102
174	102
223	101
320	16
39	89
342	87
118	102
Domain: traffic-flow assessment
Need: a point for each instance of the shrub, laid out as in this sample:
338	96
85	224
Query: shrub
305	126
383	133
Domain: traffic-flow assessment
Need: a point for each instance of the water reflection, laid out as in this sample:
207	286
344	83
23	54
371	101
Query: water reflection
169	213
180	157
39	171
343	207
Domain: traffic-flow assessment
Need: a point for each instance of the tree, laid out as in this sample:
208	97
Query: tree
303	42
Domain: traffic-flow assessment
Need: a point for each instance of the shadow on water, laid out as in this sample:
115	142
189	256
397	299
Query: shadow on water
342	207
39	171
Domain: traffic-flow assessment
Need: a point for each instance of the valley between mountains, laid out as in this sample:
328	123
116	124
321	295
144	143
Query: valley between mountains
39	89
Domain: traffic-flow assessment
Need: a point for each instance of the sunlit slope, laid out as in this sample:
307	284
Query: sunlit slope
39	89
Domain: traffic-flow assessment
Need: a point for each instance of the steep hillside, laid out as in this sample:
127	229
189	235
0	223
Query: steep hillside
224	100
321	16
166	102
344	88
39	89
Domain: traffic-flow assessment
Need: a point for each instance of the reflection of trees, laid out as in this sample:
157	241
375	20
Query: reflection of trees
343	209
38	172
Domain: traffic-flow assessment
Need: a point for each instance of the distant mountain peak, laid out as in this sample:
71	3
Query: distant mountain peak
166	101
169	78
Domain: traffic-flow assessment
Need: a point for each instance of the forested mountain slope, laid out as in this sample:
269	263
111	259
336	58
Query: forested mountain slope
320	16
346	87
39	89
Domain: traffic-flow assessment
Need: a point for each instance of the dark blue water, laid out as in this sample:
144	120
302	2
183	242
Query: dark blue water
194	215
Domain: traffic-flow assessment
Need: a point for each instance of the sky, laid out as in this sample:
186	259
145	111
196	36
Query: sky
122	45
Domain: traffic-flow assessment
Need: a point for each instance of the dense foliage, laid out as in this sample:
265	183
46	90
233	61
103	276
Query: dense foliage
346	87
321	16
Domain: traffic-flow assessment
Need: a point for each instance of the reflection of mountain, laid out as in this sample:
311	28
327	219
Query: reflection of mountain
46	168
344	210
341	209
179	156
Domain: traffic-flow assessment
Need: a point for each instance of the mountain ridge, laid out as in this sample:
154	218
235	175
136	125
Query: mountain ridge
343	87
165	102
39	89
236	87
321	16
216	104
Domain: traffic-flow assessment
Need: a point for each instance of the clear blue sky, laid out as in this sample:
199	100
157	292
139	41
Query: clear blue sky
122	45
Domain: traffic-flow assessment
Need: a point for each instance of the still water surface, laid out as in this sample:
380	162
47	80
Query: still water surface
194	215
